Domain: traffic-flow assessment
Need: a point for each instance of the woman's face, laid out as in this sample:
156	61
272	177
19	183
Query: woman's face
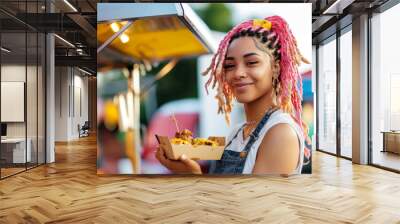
248	69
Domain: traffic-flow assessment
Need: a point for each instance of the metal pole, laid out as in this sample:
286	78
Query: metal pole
132	123
136	117
115	35
161	74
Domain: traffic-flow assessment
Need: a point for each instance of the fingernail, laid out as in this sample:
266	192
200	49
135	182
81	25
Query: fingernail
183	157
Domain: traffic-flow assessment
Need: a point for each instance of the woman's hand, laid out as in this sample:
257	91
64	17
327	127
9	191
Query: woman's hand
183	166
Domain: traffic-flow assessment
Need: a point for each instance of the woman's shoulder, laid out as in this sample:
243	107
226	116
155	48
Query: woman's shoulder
279	118
281	132
280	148
279	115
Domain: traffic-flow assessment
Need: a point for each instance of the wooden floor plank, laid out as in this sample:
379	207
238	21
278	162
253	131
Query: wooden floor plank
69	191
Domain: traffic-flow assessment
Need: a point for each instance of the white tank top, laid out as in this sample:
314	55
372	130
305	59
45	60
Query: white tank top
278	117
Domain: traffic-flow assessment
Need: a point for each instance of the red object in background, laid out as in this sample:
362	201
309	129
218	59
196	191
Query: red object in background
187	115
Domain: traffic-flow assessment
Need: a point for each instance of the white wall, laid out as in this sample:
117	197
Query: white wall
12	73
80	94
16	73
62	81
71	93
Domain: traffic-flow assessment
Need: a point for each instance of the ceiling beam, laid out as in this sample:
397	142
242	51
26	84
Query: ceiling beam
83	23
81	61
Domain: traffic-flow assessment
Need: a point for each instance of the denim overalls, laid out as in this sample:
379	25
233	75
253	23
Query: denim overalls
232	162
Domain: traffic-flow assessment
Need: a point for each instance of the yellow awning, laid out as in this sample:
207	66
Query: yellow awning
153	39
158	31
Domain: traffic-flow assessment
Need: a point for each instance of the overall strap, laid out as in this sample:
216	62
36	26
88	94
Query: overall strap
255	134
238	131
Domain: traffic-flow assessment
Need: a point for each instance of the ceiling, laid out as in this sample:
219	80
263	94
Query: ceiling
76	22
329	16
325	13
72	20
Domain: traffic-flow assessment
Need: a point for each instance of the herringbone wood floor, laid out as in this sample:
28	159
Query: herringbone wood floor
69	191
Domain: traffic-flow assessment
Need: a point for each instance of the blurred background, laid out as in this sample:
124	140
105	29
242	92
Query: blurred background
160	85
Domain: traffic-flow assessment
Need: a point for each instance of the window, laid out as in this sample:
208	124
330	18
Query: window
327	97
385	89
346	94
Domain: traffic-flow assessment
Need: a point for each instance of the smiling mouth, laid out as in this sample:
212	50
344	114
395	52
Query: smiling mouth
241	87
238	85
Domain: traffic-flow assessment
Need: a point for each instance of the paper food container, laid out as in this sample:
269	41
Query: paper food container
197	152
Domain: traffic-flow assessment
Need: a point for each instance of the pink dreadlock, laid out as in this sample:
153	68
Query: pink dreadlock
276	32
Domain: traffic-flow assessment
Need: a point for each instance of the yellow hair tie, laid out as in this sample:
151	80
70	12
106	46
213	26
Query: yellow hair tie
262	23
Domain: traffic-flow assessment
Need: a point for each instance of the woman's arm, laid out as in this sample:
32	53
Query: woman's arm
278	152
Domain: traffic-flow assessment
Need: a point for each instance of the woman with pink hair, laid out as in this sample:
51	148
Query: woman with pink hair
257	64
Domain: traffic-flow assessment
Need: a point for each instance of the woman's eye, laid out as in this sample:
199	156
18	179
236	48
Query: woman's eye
252	62
228	66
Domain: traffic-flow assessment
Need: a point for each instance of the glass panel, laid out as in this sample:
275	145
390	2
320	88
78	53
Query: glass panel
22	79
41	89
13	86
32	85
31	98
346	94
385	86
41	99
327	97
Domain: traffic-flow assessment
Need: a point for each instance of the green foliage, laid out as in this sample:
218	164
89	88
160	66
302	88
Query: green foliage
217	16
180	83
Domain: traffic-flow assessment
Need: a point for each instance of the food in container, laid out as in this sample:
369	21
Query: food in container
194	148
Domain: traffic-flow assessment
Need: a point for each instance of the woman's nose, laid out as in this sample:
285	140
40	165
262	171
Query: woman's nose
240	73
